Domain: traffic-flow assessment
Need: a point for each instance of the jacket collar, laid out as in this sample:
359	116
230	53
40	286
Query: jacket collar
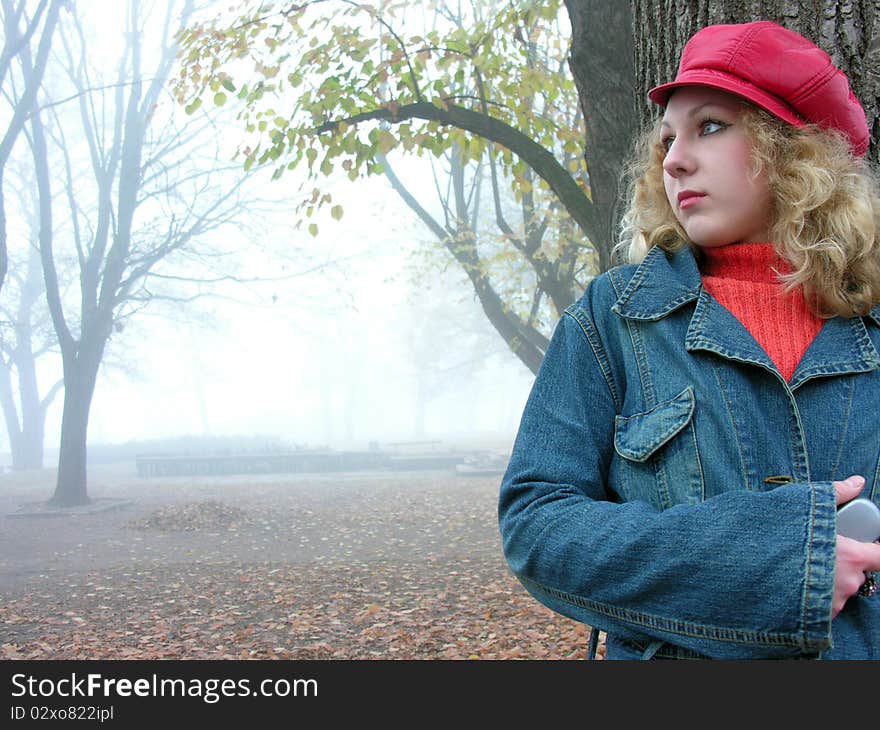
664	282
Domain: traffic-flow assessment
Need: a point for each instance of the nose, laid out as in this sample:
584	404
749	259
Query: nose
678	159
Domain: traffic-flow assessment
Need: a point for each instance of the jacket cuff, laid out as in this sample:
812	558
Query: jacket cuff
820	555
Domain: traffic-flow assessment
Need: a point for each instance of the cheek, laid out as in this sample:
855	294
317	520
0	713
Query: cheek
758	191
667	187
759	184
742	167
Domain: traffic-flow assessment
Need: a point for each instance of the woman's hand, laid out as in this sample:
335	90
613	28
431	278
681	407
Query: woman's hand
854	558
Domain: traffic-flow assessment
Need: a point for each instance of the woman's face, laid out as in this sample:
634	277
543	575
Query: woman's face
708	172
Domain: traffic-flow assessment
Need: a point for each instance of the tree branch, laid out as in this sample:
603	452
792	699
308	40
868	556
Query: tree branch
537	157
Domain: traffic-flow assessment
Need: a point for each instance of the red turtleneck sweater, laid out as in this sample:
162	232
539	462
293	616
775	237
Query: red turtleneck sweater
741	277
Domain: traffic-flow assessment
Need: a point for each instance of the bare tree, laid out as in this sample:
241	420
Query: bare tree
141	227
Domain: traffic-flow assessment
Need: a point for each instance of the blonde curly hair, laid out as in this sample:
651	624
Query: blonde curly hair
826	211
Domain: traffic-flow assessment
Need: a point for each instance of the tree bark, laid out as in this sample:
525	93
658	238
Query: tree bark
601	62
845	30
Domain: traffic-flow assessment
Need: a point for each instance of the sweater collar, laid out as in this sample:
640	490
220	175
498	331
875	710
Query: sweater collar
752	262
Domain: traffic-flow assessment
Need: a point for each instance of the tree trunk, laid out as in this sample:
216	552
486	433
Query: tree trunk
80	376
33	415
26	434
524	340
601	62
10	414
421	407
16	44
659	30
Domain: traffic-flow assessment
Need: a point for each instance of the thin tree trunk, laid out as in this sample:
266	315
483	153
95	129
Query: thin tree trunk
25	427
32	413
23	107
525	341
421	407
10	416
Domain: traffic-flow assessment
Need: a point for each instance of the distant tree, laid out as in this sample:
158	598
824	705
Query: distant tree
431	320
27	33
26	338
139	228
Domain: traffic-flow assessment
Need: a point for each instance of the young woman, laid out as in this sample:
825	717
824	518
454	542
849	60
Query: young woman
701	412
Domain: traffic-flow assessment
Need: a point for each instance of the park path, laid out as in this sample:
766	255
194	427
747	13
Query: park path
296	519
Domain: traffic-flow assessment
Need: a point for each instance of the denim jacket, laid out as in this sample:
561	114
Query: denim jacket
669	487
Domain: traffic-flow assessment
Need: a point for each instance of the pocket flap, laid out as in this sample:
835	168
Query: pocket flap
638	436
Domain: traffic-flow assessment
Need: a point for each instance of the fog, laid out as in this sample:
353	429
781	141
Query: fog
325	359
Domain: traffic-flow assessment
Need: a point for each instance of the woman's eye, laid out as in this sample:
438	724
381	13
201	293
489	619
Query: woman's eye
710	126
666	143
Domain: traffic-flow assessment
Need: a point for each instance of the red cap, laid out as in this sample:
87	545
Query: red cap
776	69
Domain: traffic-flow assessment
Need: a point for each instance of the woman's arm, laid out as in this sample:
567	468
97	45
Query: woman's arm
743	574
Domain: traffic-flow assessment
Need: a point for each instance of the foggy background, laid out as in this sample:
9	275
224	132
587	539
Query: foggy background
367	332
374	346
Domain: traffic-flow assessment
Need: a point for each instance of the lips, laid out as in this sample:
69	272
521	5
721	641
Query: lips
687	198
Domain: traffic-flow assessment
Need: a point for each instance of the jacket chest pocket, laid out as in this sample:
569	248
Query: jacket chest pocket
659	461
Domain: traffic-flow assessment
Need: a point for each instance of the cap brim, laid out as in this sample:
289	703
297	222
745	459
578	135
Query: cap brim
732	84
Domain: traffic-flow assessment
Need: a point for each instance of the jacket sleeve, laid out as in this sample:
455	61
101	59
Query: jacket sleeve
741	575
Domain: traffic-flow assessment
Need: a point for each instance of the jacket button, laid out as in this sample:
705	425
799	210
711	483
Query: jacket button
778	479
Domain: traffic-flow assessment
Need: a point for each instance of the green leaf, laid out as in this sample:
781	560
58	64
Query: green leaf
313	229
385	141
219	98
336	212
192	106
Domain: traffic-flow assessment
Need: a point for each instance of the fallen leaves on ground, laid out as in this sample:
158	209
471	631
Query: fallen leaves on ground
415	574
209	514
275	612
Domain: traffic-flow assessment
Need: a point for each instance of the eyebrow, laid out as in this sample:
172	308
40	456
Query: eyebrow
697	109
